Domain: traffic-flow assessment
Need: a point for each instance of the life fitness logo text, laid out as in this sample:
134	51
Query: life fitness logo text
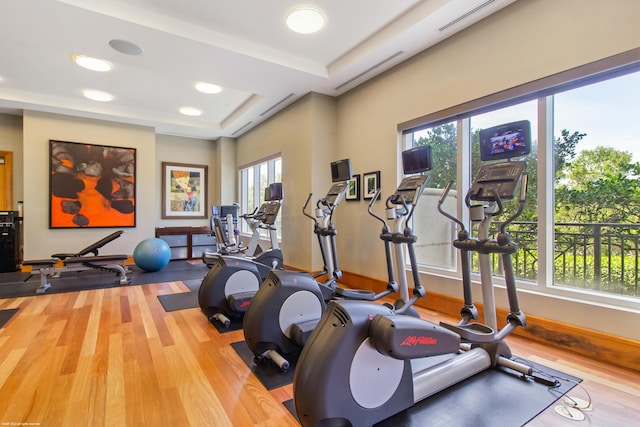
413	340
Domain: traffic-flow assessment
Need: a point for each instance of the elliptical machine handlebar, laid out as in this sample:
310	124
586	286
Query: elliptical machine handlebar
386	236
468	311
407	230
328	208
441	200
375	197
304	209
524	182
400	208
250	215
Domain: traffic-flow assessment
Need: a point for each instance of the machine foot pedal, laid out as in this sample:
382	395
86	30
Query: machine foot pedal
282	363
221	318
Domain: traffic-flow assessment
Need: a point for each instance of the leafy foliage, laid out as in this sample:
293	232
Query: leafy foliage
443	141
600	185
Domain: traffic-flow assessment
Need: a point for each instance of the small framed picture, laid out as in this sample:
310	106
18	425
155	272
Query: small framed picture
353	192
184	191
370	184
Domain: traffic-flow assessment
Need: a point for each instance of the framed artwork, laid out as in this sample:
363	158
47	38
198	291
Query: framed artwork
91	185
353	192
184	191
370	184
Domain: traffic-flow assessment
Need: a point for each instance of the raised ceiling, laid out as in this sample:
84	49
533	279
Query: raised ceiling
242	45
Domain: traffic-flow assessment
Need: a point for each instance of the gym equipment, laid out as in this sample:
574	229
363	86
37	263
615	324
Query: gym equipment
80	261
224	221
232	280
289	304
365	362
152	254
263	217
9	241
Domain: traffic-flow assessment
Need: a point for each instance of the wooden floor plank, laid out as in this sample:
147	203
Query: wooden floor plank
114	357
115	414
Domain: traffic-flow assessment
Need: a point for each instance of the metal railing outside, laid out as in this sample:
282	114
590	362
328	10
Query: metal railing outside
601	257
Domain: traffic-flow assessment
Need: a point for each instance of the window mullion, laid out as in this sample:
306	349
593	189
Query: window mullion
546	190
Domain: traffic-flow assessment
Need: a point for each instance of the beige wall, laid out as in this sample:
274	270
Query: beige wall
304	135
226	172
175	149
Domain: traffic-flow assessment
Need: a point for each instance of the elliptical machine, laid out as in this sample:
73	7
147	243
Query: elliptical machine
223	227
263	217
289	304
232	280
366	362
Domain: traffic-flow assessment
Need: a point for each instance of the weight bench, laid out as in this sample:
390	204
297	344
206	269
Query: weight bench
80	261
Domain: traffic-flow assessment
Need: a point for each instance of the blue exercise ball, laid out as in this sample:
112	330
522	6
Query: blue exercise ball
152	254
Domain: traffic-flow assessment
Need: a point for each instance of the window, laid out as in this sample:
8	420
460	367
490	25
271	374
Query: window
254	179
596	187
580	229
434	248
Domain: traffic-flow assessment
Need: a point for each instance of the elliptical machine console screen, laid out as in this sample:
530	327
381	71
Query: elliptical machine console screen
335	193
417	160
414	160
341	170
273	192
497	178
271	213
409	190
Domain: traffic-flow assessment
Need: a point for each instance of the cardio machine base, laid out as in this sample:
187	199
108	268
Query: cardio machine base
269	374
234	325
227	288
489	396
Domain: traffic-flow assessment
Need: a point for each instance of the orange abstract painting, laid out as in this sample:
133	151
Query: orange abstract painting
91	185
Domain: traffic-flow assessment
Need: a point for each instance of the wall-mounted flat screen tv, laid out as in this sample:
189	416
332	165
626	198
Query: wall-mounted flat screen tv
273	192
505	141
341	170
417	160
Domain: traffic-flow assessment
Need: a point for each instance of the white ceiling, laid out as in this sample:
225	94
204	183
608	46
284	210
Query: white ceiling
242	45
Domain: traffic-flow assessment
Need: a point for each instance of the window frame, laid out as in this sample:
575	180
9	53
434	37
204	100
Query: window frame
541	90
272	163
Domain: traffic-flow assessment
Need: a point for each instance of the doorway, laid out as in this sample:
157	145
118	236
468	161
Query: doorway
6	180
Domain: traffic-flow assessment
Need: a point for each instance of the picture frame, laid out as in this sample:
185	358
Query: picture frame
370	184
91	185
353	192
184	191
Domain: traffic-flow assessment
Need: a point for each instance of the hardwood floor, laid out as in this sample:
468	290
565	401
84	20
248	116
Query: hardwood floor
114	357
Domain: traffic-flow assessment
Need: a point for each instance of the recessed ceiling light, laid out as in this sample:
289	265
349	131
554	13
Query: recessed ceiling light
126	47
97	95
305	20
207	87
190	111
93	64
